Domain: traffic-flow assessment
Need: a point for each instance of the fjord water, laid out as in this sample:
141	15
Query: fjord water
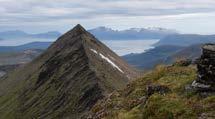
123	47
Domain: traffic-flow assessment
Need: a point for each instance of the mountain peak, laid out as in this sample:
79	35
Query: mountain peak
69	38
79	29
76	31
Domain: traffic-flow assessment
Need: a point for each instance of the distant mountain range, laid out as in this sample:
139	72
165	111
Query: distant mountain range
33	45
171	46
186	39
104	33
166	36
191	52
165	54
18	34
152	57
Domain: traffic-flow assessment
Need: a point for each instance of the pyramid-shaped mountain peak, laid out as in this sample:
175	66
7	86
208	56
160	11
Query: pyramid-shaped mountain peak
79	26
77	30
76	35
69	78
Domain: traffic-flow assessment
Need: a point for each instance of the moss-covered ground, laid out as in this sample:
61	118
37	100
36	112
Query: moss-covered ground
180	102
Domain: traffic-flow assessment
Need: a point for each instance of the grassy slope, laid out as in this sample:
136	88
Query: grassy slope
10	87
131	103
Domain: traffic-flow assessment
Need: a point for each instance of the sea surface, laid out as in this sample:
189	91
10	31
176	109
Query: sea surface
121	47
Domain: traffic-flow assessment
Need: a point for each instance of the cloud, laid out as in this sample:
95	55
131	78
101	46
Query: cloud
25	13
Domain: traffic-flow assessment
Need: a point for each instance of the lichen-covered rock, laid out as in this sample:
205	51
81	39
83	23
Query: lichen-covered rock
206	70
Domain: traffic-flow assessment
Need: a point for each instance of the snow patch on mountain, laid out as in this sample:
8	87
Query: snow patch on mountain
94	51
108	60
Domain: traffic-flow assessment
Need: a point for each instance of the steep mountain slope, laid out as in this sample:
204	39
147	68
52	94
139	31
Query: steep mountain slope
65	81
186	39
191	52
152	57
166	54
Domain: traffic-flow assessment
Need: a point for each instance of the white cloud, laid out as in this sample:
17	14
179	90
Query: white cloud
100	12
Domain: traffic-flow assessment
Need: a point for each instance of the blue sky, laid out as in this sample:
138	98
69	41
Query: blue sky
186	16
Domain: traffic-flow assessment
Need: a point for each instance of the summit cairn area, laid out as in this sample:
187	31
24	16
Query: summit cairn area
206	70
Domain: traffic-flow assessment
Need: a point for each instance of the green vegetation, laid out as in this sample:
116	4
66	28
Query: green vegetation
179	103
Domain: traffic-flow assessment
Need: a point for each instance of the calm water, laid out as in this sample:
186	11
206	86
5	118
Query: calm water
121	47
124	47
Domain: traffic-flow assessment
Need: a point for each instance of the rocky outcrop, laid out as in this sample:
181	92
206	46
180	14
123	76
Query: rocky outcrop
206	70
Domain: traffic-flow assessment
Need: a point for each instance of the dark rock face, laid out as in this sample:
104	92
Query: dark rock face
206	69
